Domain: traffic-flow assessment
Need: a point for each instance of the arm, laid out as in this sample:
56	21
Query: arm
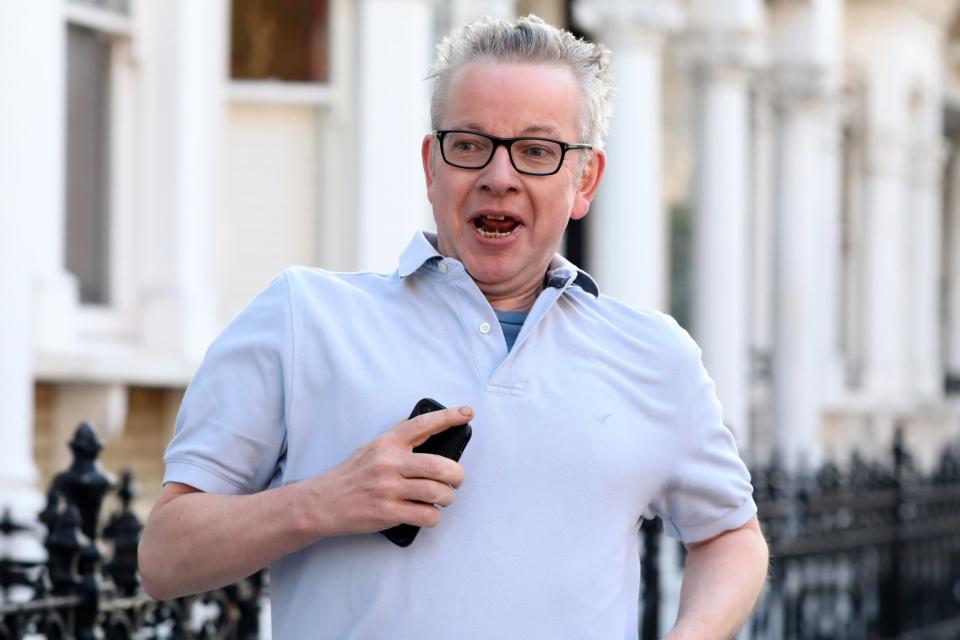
722	579
196	541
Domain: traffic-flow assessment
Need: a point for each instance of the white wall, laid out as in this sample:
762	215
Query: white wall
270	187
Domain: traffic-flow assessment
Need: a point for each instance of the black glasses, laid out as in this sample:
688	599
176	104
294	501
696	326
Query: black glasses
530	155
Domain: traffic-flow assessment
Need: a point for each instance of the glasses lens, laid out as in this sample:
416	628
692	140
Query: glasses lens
536	156
466	149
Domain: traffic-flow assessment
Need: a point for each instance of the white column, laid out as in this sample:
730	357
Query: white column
805	77
902	100
43	32
904	128
720	239
925	209
886	282
722	56
926	159
31	108
184	53
395	50
628	230
808	165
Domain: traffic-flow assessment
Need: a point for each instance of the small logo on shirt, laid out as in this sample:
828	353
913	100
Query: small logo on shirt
602	419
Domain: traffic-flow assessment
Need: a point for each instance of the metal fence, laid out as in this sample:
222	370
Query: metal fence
870	551
89	587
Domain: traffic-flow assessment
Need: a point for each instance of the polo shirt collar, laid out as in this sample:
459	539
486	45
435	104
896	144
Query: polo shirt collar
422	247
561	273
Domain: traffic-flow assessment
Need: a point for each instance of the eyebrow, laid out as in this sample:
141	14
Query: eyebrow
533	130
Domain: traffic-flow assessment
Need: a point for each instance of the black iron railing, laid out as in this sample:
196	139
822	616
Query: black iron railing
88	586
869	551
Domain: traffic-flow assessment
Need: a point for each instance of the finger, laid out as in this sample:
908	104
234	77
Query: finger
429	466
428	491
416	430
418	514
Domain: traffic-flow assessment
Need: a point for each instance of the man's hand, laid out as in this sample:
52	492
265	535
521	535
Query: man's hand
384	483
381	484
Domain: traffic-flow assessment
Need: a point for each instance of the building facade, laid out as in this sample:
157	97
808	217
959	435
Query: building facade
783	176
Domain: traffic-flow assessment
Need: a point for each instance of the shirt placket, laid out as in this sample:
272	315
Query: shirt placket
503	372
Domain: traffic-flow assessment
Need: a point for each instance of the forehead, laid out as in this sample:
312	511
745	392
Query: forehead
507	99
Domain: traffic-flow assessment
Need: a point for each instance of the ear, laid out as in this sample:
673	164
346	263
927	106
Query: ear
588	183
426	155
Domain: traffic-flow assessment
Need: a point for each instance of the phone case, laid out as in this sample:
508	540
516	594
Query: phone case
449	443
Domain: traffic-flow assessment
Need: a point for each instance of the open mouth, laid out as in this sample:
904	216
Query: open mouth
495	226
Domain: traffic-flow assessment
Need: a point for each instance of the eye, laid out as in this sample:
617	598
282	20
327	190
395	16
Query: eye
465	144
538	150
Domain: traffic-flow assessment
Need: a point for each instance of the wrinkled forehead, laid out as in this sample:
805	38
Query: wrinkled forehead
515	98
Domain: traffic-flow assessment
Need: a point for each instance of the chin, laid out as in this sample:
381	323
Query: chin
493	274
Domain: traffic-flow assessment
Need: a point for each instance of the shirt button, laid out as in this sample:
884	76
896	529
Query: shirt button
442	267
484	328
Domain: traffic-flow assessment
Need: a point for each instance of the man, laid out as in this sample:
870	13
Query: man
588	418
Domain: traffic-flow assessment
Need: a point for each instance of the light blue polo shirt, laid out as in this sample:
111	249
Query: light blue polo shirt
599	416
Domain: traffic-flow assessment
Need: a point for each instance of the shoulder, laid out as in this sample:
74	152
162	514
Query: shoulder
309	280
655	326
653	333
312	286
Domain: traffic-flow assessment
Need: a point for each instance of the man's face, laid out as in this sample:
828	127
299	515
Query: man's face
509	100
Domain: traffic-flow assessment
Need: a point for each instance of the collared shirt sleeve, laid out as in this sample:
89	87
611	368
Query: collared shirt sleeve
710	490
230	431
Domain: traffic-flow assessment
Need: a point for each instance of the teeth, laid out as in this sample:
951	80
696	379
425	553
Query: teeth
493	234
495	217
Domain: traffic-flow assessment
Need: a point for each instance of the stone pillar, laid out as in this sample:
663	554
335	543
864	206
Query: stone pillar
629	235
806	249
31	172
903	104
925	209
805	76
927	155
885	276
55	289
184	73
722	56
393	103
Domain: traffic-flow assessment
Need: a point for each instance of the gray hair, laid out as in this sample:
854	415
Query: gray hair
528	40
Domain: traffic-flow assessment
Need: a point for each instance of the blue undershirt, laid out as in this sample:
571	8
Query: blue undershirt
510	323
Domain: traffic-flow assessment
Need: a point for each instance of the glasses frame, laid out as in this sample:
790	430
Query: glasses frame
508	143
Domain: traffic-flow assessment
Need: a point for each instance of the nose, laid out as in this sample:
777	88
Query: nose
499	177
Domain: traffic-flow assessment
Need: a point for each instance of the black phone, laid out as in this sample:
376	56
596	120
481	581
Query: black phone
449	443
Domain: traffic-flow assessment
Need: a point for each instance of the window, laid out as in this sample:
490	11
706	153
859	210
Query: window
281	40
88	162
98	33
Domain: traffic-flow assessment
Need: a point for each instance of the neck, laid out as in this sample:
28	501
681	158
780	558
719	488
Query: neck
521	300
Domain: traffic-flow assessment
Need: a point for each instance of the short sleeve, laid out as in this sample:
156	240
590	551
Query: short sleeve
230	431
710	490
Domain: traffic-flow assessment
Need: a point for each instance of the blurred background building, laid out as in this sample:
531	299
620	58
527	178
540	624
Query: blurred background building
783	177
